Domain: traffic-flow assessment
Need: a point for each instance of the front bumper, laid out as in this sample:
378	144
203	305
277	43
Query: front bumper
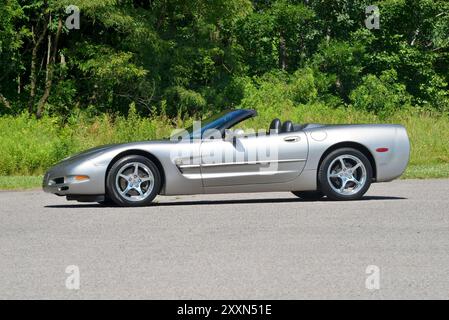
60	180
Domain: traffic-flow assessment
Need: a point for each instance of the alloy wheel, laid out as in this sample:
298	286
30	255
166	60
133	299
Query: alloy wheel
346	175
134	181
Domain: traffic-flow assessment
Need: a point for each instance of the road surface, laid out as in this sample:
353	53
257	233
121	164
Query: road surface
244	246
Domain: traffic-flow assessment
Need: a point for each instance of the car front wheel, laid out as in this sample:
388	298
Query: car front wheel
133	181
345	174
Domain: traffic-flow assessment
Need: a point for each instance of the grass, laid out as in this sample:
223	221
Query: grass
434	171
20	182
423	171
28	147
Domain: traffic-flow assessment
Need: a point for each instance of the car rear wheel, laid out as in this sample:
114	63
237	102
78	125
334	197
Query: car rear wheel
309	195
345	174
133	181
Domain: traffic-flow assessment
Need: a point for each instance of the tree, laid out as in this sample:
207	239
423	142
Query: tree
280	35
11	41
185	57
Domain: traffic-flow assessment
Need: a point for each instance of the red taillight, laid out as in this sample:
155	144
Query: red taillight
382	149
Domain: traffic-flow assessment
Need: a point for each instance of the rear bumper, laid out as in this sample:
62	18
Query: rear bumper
391	165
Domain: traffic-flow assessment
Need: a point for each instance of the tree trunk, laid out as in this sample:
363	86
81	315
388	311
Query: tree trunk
47	62
49	72
415	37
282	52
33	75
5	101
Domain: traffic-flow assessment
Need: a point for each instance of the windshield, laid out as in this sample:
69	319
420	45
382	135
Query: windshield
215	122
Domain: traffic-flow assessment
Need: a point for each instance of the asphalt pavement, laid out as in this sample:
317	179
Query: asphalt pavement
393	244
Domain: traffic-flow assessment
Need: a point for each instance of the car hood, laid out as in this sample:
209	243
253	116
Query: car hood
90	152
93	152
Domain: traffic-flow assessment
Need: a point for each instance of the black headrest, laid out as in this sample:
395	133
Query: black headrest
287	126
275	126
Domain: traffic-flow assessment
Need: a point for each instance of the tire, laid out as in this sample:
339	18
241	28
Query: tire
107	202
127	186
309	195
345	174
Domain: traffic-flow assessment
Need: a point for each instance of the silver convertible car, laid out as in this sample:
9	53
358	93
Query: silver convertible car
310	160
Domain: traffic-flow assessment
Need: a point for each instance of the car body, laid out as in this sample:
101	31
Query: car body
190	166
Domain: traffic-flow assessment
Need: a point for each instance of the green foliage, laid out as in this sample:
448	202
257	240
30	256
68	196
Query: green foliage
304	86
26	144
195	54
114	81
186	99
30	146
280	36
427	171
381	95
11	42
342	63
20	182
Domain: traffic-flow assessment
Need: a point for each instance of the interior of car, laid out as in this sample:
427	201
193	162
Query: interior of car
276	127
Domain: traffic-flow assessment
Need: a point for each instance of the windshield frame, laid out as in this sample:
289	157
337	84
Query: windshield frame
221	122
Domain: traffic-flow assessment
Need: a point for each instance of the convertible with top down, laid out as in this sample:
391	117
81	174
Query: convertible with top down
311	160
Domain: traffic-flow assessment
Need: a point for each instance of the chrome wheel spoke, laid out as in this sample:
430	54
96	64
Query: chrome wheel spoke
357	182
342	162
139	191
343	185
127	189
124	177
334	175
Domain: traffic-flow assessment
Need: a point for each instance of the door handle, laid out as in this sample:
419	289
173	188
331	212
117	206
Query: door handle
292	139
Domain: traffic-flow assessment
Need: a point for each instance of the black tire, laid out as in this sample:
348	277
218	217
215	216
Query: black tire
107	202
325	185
309	195
123	200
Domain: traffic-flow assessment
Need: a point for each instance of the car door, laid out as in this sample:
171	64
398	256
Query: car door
253	159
